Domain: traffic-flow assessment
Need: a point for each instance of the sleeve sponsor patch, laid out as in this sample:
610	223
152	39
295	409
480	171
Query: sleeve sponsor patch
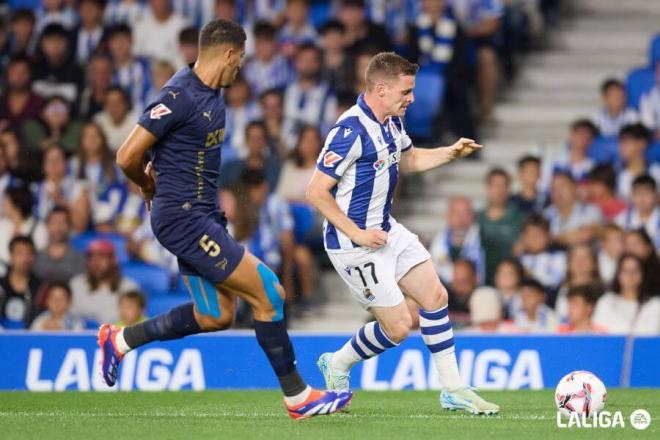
330	159
159	111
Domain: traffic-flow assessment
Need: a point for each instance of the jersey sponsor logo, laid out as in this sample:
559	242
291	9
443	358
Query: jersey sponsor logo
347	131
159	111
215	137
330	159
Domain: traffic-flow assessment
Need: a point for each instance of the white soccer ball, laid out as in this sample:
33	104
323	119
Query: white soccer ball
580	392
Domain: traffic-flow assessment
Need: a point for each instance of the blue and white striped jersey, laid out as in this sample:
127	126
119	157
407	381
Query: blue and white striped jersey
363	155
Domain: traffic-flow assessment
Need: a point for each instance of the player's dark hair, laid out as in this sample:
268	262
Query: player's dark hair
536	220
528	158
264	30
389	65
585	124
497	171
636	131
604	174
533	283
136	296
23	14
332	26
22	199
221	31
120	29
645	181
589	292
189	35
608	83
21	239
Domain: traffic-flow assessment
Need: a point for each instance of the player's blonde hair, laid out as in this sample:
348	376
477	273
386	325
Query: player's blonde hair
387	65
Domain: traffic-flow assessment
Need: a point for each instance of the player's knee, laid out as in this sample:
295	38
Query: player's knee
398	331
214	324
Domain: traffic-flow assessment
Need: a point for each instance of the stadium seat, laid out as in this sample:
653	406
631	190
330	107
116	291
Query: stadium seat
654	52
319	13
639	81
153	280
303	220
604	150
653	153
429	91
161	304
81	241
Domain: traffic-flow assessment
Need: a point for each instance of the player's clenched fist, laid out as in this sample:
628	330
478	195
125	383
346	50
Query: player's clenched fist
371	238
149	189
464	147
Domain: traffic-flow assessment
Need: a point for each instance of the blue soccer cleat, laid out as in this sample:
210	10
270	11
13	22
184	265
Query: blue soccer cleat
320	403
110	356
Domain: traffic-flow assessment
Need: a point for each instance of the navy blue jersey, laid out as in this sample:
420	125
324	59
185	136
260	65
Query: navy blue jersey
188	118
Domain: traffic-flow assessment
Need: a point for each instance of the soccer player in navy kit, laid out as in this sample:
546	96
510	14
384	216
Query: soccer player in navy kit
184	128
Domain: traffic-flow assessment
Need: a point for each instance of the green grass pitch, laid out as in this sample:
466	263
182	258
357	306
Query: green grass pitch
243	415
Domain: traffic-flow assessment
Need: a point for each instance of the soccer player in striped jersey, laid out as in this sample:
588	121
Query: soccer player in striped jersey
377	257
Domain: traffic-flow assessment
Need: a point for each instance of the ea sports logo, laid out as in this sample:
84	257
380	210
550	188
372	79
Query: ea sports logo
640	419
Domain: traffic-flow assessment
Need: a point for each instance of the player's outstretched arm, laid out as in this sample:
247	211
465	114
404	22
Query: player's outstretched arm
417	160
320	196
129	159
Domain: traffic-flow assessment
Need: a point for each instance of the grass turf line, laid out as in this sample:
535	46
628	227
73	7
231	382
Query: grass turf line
246	415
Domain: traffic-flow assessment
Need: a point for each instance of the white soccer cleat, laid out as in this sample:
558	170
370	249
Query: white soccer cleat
467	399
334	380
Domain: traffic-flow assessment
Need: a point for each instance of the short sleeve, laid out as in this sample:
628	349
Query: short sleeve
342	148
168	109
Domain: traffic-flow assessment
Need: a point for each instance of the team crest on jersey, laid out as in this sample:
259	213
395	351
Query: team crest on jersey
368	295
159	111
330	159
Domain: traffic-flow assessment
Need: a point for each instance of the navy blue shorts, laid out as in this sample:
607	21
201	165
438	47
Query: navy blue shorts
200	241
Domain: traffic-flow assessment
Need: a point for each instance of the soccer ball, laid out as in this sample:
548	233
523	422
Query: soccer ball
580	392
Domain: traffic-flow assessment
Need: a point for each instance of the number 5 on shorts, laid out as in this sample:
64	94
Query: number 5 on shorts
365	266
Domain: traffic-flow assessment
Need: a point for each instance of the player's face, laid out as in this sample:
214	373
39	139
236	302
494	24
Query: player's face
399	95
233	65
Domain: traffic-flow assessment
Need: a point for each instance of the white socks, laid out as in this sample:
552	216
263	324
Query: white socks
439	338
298	398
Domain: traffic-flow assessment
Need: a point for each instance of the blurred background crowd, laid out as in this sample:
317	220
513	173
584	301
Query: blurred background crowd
569	243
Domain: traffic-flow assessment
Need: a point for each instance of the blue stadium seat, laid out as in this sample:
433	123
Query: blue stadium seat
422	114
81	241
604	150
153	280
91	324
639	81
653	153
319	13
161	304
303	220
654	52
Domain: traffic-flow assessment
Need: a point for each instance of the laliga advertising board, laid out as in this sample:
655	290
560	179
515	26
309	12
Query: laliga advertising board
47	362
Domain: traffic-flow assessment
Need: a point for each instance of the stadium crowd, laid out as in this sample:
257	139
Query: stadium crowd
75	239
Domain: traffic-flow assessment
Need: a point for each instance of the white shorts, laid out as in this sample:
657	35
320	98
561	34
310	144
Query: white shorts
373	275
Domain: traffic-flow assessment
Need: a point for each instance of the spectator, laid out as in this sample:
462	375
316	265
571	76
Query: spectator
19	162
188	48
195	12
121	210
529	199
359	32
59	189
614	114
267	69
571	221
59	262
123	12
7	180
55	125
485	310
57	316
629	308
336	70
574	160
500	222
131	308
298	170
601	191
143	244
638	243
19	287
358	81
272	111
240	111
581	301
57	12
96	292
131	73
259	157
508	277
55	72
19	103
582	270
308	100
99	80
161	72
90	32
464	281
534	316
116	119
297	28
22	35
157	33
633	141
459	239
226	9
649	106
611	249
481	21
644	211
18	220
540	259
